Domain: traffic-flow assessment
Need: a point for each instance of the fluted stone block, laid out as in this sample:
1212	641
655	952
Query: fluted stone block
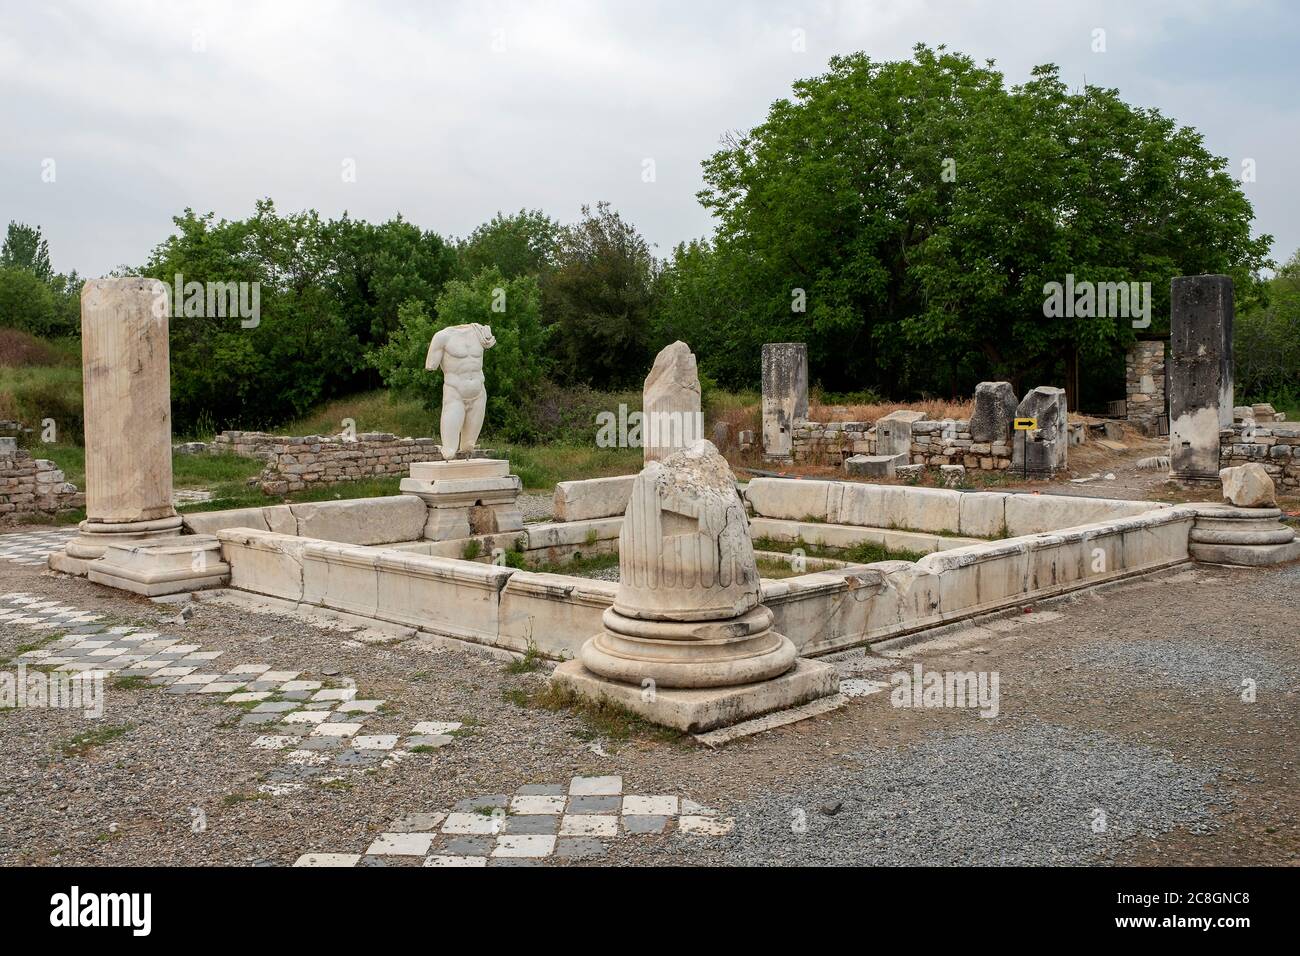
127	388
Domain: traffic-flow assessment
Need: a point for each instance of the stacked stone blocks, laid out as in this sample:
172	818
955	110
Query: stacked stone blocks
32	486
294	463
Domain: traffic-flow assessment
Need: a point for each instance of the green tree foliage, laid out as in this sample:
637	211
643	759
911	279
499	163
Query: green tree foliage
27	303
1266	342
599	301
513	368
378	267
518	245
301	349
921	206
25	248
33	297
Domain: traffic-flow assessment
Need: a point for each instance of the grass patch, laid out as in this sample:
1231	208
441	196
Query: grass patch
775	570
376	411
209	471
540	467
580	564
599	720
234	799
129	682
82	744
865	553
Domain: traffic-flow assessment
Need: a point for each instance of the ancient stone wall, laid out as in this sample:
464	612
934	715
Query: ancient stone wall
32	486
294	463
1144	371
1275	445
945	442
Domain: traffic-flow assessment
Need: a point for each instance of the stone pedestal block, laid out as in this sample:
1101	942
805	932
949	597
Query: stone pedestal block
698	709
785	396
163	566
1200	374
894	433
466	496
873	466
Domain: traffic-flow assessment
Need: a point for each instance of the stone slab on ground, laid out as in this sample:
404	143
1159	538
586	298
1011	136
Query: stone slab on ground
780	718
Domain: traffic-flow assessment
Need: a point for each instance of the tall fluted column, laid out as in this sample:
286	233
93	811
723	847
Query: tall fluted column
127	391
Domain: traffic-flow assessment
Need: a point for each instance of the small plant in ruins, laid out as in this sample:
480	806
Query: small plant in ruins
530	662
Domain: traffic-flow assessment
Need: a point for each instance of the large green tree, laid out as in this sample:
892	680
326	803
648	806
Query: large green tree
378	267
519	245
229	371
904	217
25	248
33	297
599	301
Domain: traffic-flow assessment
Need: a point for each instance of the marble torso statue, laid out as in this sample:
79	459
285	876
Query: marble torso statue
458	351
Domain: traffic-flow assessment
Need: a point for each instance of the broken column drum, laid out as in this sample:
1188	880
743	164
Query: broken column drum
687	611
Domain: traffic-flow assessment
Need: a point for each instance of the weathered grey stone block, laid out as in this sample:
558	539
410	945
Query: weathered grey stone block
1200	374
785	395
1044	450
995	407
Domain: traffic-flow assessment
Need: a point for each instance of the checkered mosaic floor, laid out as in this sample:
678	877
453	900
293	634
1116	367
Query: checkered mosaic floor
536	824
33	547
319	729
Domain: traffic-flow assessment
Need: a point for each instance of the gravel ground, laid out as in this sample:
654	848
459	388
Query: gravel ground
1027	795
536	507
1189	660
1186	772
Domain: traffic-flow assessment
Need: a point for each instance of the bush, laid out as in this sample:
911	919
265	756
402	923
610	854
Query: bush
27	303
513	368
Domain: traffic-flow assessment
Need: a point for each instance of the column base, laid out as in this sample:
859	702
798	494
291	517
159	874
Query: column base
96	537
697	709
689	654
1249	537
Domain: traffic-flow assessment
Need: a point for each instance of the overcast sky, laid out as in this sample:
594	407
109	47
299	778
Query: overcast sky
452	111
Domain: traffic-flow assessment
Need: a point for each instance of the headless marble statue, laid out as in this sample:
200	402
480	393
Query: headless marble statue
458	351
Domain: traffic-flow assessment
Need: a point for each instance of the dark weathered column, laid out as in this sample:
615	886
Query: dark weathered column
1199	375
785	396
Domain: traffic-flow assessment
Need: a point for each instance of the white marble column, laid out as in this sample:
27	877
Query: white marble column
127	390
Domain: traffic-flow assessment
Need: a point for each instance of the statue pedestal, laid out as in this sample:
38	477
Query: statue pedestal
466	496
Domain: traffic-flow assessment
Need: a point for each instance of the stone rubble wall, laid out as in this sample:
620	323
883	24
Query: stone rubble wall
934	443
1275	445
294	463
33	486
1144	373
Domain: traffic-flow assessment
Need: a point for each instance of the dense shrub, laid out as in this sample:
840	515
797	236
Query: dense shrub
513	368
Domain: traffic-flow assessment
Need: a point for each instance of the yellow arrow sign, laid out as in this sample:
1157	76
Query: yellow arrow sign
1025	424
